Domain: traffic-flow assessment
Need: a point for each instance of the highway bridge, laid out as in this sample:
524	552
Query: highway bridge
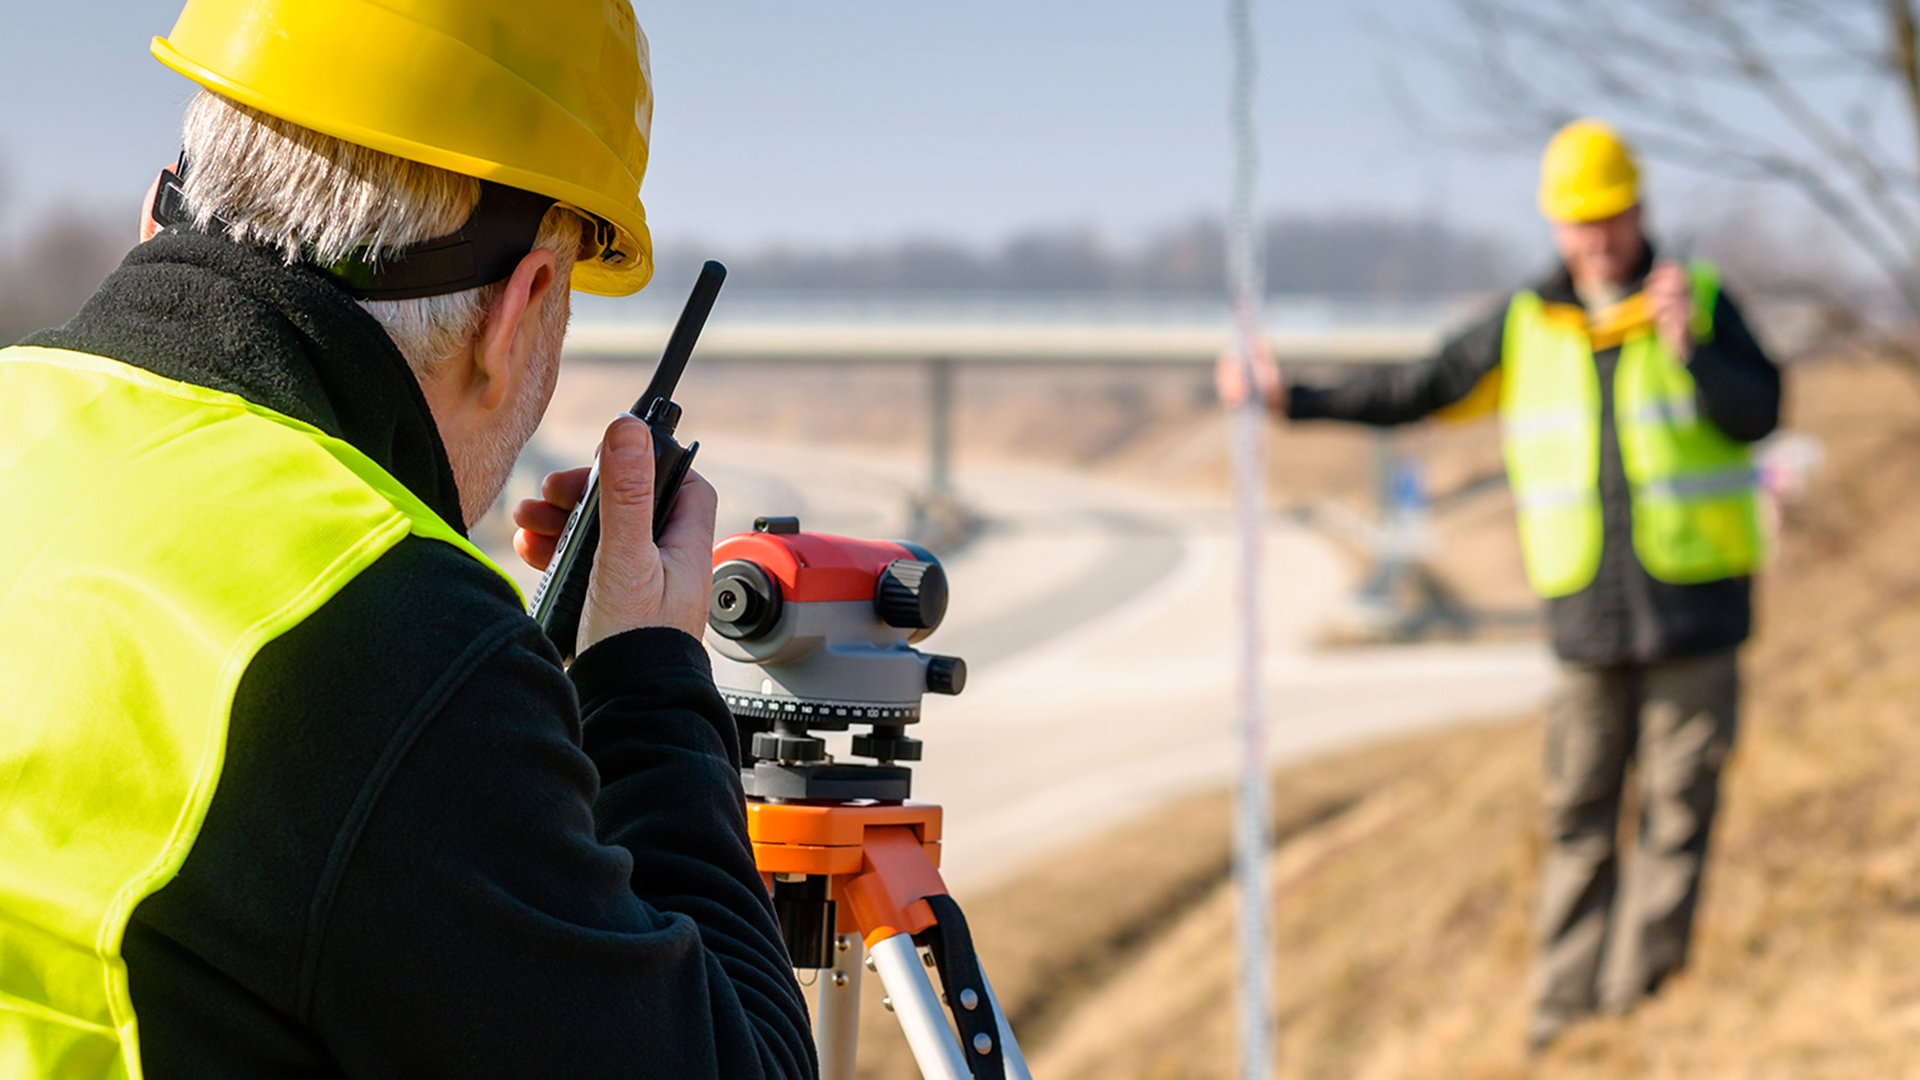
942	333
841	329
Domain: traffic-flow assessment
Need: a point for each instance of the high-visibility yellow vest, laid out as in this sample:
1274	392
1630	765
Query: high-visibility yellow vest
1694	489
157	536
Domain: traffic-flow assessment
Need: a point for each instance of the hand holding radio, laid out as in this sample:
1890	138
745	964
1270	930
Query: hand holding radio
640	474
636	580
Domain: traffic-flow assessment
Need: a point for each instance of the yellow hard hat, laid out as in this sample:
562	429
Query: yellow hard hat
1587	174
553	97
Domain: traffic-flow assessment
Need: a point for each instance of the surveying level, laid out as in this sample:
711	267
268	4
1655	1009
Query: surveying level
816	633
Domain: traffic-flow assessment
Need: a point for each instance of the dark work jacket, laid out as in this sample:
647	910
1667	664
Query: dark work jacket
1625	615
433	852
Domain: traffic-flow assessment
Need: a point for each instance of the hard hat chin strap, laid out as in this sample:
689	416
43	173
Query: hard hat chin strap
497	235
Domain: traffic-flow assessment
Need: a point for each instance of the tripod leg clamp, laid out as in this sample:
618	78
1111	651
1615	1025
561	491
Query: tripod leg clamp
967	998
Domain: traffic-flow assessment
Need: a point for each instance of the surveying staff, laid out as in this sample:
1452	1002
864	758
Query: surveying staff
293	784
1630	392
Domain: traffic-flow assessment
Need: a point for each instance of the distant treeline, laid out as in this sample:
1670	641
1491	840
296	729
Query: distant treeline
50	266
1369	256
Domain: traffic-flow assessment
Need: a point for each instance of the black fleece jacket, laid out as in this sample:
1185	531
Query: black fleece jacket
1626	615
433	852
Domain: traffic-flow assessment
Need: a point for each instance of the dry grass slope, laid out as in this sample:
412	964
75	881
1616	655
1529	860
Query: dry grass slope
1405	872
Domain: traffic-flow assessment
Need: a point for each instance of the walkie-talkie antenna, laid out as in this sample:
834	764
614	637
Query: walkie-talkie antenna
685	333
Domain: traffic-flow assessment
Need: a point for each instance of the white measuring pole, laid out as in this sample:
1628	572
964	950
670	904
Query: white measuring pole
1252	839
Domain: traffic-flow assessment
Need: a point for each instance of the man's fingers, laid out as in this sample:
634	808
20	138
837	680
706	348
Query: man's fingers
626	501
1668	279
534	549
1228	379
690	526
541	517
686	552
564	488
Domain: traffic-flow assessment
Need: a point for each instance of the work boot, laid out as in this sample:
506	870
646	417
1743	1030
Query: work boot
1548	1027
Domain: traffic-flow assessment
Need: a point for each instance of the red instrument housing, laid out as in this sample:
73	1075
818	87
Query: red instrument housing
814	567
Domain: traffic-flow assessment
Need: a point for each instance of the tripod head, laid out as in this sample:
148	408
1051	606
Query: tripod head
816	633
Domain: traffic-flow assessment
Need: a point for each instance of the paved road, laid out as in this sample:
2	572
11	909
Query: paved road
1096	622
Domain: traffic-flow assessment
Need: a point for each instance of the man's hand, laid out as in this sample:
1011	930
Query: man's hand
1229	378
1670	291
635	582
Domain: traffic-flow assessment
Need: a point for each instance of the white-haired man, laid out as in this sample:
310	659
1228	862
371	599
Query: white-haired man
295	787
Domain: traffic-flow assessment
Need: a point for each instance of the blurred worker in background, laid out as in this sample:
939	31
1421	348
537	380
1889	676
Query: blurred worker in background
294	785
1630	392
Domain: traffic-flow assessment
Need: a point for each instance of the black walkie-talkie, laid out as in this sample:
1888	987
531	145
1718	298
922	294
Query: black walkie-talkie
562	592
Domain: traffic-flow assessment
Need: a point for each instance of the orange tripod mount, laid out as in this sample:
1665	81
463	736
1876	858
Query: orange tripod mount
877	865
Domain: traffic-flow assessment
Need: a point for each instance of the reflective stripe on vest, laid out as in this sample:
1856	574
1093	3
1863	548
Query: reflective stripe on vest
1694	489
161	534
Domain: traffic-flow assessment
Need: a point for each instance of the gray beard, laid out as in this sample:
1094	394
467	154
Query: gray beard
482	473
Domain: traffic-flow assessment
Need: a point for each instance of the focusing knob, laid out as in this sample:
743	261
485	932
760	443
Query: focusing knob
744	602
946	674
887	743
912	595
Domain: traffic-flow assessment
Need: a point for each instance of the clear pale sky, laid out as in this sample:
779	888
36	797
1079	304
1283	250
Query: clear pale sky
854	120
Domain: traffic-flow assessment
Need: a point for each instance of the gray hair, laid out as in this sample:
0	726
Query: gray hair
313	196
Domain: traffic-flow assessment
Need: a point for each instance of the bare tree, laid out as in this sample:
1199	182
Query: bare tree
1820	97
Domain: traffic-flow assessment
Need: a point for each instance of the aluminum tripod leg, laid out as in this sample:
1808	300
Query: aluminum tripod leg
922	1019
924	1022
1009	1046
836	1016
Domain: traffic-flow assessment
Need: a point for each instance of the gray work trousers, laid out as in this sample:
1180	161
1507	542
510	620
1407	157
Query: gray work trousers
1605	943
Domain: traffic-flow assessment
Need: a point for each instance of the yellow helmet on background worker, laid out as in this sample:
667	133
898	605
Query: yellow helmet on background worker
553	97
1587	174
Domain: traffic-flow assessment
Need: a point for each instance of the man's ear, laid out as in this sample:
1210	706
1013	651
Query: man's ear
506	344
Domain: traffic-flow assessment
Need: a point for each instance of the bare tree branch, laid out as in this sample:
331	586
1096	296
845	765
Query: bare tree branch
1793	105
1906	56
1670	67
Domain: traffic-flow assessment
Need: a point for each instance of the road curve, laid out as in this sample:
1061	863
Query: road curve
1096	620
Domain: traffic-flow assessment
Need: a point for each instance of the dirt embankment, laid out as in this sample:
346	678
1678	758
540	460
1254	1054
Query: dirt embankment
1405	872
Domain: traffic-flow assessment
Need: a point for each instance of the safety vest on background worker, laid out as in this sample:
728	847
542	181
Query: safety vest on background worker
1694	489
168	533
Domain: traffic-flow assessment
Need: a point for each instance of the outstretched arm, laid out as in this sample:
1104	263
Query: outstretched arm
1391	394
